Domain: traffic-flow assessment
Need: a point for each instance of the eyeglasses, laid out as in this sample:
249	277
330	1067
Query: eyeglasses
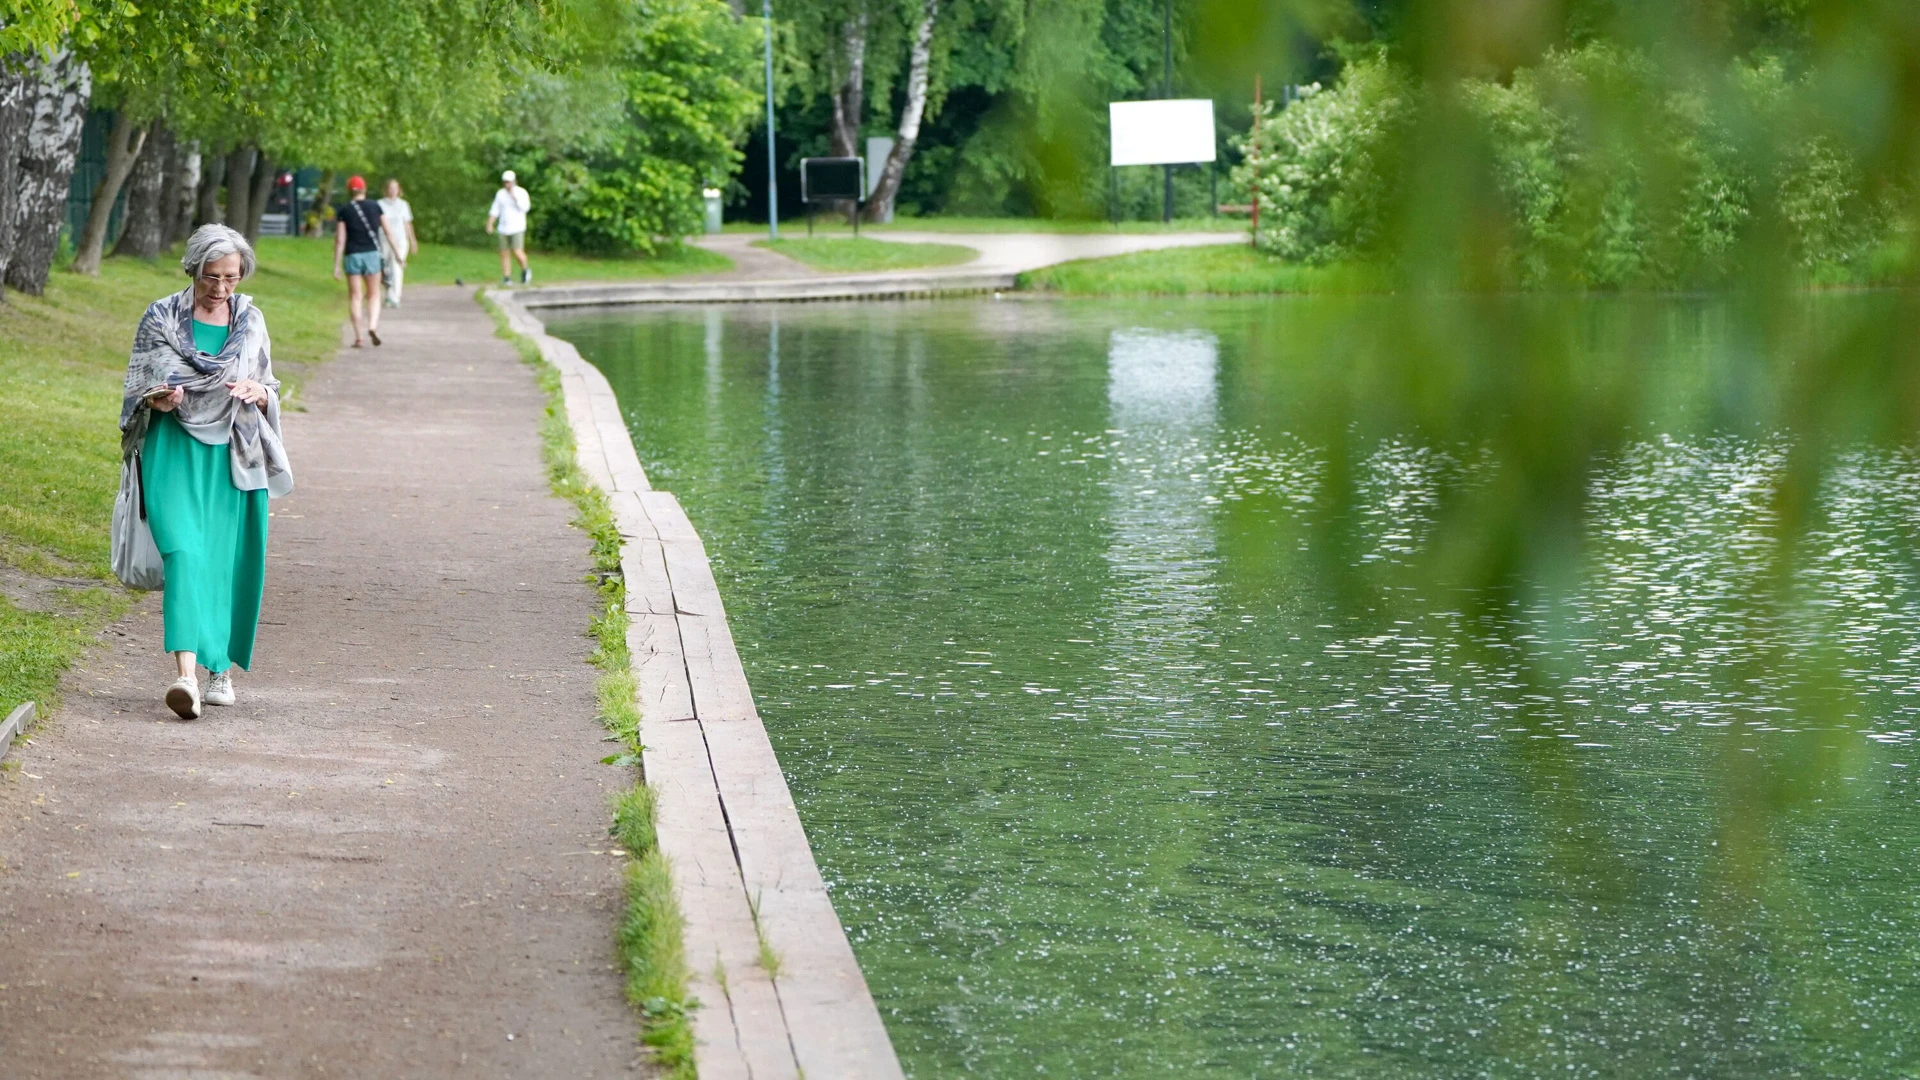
220	279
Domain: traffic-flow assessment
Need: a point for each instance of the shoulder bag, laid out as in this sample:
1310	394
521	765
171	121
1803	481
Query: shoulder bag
136	559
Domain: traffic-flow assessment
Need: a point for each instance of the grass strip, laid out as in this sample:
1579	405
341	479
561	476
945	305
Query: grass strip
63	359
852	254
651	936
1208	270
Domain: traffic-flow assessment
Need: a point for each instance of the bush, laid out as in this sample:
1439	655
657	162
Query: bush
1593	171
1327	166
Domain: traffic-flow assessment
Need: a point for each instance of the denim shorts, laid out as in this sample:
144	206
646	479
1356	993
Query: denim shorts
364	263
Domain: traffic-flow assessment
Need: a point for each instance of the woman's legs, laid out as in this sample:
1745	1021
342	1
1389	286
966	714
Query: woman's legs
185	662
371	283
355	309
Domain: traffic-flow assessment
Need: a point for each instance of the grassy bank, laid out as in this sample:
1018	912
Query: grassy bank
650	934
63	357
1238	270
1212	270
439	264
852	254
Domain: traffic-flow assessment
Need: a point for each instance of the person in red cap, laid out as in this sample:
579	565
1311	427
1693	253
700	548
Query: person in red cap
356	251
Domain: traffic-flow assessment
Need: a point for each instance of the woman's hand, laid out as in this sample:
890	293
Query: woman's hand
336	271
166	400
249	391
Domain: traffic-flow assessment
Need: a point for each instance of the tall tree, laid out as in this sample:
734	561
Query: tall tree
57	88
912	111
239	173
178	195
213	172
13	125
144	228
124	142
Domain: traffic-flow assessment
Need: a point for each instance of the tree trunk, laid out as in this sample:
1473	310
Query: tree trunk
263	171
239	184
849	98
13	132
919	63
57	94
213	171
123	149
182	191
145	224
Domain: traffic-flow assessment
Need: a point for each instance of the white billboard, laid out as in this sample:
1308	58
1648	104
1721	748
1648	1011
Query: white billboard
1175	132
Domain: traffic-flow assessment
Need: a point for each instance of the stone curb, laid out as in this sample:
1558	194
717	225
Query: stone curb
15	724
725	818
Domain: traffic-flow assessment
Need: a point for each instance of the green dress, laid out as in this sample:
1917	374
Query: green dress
212	536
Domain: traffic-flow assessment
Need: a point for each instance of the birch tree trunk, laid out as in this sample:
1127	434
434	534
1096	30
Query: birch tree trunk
145	223
239	185
57	92
182	191
13	131
123	149
263	171
919	68
213	172
849	98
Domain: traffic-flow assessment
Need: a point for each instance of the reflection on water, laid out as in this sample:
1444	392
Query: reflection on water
1114	769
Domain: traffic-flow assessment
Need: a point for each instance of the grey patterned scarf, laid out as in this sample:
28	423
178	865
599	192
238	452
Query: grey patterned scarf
164	355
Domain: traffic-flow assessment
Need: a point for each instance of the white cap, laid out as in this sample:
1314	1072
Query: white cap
508	175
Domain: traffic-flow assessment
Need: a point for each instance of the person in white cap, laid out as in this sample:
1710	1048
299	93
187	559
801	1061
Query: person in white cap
508	220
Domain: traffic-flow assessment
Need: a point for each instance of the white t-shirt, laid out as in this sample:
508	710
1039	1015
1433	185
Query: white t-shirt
395	214
510	211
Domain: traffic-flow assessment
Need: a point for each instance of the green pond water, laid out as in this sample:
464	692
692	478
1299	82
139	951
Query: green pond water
1250	690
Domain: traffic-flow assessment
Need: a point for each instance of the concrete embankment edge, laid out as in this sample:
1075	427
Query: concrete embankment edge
847	287
742	867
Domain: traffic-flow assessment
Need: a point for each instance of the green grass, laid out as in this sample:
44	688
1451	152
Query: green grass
439	264
650	936
851	254
63	357
798	226
1212	270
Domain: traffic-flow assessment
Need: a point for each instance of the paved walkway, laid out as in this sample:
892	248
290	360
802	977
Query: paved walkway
389	860
1000	253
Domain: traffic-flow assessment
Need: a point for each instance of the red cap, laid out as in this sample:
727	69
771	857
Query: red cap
355	183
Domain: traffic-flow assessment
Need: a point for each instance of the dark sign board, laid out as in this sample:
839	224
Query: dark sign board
823	178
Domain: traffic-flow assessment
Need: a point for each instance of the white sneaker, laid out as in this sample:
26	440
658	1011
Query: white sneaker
220	688
183	697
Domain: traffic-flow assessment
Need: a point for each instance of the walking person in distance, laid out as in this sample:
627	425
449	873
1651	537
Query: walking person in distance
200	422
398	241
356	250
508	219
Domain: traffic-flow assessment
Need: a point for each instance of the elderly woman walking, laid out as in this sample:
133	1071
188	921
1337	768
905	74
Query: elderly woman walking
201	420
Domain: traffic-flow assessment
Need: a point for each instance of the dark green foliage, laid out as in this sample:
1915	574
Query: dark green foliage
614	152
1593	167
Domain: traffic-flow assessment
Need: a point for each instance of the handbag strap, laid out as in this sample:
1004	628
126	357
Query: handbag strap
139	486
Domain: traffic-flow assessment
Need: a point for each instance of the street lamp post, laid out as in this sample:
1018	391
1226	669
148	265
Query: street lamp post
1166	91
773	190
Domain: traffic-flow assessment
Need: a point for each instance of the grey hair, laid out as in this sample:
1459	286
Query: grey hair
216	241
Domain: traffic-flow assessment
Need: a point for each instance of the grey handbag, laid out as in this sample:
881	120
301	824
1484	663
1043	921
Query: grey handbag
136	559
